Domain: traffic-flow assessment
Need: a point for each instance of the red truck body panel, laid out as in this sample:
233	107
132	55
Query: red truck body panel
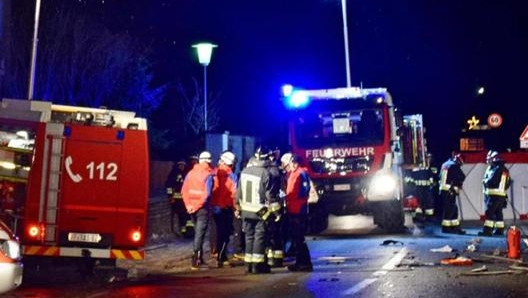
86	189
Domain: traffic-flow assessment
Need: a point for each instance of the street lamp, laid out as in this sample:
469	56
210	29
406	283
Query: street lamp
345	35
31	87
205	50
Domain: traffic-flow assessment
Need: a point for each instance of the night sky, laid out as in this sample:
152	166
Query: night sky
432	55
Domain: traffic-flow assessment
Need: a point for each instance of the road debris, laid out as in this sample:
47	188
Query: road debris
445	248
457	261
480	269
471	248
391	242
496	272
517	267
496	257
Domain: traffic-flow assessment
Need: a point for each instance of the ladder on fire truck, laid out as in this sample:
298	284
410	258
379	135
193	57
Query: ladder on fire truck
54	153
52	168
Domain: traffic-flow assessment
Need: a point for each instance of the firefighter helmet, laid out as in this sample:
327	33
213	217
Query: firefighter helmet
457	157
286	159
491	156
262	153
228	158
205	156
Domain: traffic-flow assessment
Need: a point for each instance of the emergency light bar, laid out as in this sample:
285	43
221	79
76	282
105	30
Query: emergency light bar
298	98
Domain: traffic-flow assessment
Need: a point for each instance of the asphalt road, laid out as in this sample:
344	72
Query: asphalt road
361	261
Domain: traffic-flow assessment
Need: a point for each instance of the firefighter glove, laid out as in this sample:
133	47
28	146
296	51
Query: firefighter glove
264	213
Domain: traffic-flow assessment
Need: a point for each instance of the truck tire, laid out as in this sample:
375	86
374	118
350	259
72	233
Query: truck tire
389	216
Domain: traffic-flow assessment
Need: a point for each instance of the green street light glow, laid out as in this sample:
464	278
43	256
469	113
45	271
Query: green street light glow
205	50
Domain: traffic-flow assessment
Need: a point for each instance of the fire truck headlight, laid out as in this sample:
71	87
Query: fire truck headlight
382	187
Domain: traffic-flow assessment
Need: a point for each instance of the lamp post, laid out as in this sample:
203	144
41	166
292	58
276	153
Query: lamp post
31	87
345	35
205	50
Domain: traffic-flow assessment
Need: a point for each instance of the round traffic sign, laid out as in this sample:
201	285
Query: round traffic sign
494	120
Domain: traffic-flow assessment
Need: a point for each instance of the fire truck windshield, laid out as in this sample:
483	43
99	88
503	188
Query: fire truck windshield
358	127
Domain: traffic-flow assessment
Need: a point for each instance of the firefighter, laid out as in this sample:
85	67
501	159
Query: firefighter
173	185
422	180
254	201
275	243
222	204
451	180
496	182
296	200
196	192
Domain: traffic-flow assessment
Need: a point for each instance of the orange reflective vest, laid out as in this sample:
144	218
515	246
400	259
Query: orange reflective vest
224	191
197	187
297	191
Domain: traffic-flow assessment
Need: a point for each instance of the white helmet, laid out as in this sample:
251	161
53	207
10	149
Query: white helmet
286	159
205	156
491	155
228	158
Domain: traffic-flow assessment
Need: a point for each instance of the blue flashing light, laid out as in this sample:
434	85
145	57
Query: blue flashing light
67	131
120	135
287	90
298	99
293	98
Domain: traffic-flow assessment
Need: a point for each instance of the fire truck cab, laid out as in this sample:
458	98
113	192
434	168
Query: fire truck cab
355	147
74	180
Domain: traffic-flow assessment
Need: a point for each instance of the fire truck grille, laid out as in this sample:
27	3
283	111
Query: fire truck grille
353	164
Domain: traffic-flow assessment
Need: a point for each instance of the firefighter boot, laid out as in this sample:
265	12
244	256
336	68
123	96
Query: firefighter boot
260	268
447	230
275	262
201	259
486	231
458	230
194	261
499	232
249	268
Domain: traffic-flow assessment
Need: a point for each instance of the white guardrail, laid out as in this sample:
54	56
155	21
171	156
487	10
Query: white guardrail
471	198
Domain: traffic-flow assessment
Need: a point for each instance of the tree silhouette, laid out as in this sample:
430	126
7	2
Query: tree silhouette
80	62
192	105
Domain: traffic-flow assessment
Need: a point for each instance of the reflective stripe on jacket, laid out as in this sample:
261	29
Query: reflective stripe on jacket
496	181
451	176
253	189
197	187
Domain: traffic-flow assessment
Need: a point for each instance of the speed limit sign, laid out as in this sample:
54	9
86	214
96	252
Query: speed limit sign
494	120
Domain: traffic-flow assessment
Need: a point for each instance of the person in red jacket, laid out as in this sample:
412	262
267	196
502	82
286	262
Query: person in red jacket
222	204
297	193
196	192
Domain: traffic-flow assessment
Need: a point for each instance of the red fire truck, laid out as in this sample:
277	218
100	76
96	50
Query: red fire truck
74	180
355	146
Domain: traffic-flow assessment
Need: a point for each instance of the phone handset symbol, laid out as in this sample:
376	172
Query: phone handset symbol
67	163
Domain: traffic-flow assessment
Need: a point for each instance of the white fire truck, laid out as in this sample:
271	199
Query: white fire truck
355	146
73	180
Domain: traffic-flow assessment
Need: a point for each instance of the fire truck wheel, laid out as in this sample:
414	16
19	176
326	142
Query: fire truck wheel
389	216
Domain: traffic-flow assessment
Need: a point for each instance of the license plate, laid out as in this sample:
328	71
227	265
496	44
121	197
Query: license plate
341	187
84	237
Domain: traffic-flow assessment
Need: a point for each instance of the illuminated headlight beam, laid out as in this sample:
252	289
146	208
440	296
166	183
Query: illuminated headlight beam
382	187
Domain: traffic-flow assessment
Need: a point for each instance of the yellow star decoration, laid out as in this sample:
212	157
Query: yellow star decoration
473	123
